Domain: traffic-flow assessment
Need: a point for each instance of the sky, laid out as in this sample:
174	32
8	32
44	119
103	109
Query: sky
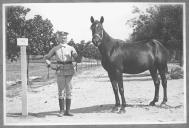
74	18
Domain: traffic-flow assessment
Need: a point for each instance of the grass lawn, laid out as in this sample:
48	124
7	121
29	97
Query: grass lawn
38	69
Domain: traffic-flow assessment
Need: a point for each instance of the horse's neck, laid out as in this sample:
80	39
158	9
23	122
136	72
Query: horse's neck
106	45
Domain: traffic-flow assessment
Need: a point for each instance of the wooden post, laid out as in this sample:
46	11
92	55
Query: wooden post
76	66
23	42
48	74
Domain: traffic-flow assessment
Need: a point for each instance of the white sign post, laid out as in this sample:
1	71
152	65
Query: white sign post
23	42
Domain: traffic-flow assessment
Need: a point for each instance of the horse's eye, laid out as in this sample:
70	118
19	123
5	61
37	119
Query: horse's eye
98	28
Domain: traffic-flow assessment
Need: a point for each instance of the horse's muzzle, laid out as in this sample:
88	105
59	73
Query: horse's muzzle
96	40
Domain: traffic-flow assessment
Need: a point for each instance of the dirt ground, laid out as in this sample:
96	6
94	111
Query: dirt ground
93	99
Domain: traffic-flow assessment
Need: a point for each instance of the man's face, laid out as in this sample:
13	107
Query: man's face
61	39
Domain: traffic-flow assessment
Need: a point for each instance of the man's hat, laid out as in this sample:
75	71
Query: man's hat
65	33
62	33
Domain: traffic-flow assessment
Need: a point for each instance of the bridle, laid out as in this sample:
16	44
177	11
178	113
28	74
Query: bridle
98	35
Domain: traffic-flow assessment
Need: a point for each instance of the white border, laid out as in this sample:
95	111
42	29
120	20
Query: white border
4	66
159	3
184	59
113	123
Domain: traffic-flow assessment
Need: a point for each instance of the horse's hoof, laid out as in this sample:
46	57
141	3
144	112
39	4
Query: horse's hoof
163	104
61	114
115	109
121	111
152	103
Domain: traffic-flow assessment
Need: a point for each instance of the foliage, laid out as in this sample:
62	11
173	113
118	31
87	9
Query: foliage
162	22
91	51
176	73
87	50
15	25
73	44
40	34
37	30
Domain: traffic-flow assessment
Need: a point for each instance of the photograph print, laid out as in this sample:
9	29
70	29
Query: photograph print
94	63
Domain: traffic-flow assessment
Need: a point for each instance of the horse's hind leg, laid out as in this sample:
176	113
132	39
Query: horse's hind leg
156	80
121	91
162	72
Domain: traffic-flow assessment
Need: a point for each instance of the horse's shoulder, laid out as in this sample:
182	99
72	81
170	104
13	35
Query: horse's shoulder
119	43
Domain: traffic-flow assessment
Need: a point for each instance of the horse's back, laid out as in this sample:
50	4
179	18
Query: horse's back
156	47
140	56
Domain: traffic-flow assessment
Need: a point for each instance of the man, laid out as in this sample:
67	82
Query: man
65	55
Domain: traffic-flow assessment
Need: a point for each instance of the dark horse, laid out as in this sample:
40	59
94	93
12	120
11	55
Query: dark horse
119	57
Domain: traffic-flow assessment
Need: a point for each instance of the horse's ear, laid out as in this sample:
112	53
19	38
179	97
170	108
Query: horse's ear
92	19
101	19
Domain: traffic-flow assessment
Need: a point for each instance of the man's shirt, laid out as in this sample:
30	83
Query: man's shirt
63	53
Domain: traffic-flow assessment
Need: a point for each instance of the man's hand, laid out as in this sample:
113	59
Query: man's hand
48	65
48	62
74	63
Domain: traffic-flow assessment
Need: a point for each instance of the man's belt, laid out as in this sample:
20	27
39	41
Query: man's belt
66	62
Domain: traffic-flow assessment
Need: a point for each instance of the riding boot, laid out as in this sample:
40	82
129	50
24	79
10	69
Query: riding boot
68	104
61	105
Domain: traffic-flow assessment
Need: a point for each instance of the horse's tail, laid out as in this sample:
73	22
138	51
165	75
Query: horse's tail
161	53
160	47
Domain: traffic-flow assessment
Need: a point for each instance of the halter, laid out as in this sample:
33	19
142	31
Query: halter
98	35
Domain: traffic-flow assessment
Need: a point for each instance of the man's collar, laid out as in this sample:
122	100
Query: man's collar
63	45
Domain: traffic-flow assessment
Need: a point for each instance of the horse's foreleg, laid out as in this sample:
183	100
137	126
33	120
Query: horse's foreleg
115	89
119	78
156	83
117	101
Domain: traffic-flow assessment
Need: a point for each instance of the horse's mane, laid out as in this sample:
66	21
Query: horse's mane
140	41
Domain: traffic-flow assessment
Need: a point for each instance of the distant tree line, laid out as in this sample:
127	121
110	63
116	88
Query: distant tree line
162	22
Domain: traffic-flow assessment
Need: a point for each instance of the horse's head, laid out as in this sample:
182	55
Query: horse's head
97	31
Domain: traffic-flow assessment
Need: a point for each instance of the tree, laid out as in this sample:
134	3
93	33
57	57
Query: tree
162	22
38	31
85	49
80	48
71	43
40	34
91	51
15	25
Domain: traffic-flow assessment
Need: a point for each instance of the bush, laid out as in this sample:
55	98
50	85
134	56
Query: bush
176	73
